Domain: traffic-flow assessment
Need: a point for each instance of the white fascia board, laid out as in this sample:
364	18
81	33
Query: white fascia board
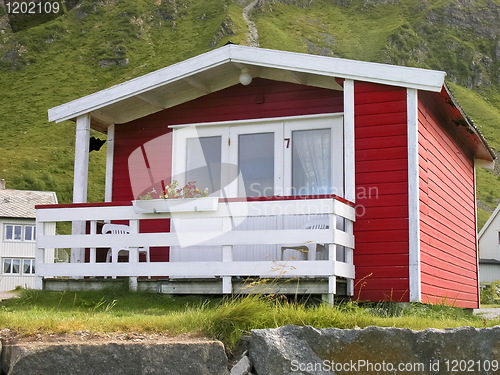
416	78
421	79
139	85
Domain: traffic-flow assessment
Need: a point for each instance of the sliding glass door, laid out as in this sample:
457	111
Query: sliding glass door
293	157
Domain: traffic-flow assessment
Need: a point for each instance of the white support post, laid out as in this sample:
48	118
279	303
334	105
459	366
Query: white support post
110	150
80	180
413	197
349	166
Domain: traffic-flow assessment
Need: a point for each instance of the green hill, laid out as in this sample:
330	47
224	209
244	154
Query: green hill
47	60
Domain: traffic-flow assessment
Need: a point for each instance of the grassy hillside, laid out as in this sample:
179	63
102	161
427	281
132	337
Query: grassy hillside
92	44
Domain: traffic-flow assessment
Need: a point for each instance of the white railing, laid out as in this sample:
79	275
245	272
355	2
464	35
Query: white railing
225	237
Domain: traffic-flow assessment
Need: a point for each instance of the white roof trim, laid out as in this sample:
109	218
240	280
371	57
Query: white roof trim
490	220
421	79
258	120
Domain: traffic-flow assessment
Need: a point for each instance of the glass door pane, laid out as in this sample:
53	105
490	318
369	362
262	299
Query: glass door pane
311	162
256	164
203	162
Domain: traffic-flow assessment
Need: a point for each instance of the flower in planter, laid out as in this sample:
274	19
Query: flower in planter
175	191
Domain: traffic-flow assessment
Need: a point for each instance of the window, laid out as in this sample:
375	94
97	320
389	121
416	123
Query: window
12	266
291	156
29	232
29	266
203	162
16	232
256	162
18	266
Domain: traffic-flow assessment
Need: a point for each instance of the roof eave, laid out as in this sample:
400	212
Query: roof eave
471	127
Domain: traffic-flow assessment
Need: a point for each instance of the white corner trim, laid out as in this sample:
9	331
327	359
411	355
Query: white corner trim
110	151
349	162
413	197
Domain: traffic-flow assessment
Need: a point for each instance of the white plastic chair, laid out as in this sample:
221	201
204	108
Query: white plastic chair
114	252
309	249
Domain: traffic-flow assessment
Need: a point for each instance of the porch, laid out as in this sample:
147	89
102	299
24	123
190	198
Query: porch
241	238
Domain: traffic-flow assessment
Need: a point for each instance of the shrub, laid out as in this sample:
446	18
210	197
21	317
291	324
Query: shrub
490	293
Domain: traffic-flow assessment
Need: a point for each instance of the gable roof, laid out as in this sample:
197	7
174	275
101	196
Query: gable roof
220	68
21	203
490	220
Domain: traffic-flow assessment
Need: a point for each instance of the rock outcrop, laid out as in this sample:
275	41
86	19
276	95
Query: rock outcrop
307	350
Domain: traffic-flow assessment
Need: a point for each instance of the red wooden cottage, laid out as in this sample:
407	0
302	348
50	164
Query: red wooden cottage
300	155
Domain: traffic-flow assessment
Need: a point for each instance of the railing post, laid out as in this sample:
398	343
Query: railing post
332	257
93	230
332	279
39	255
133	254
349	256
227	256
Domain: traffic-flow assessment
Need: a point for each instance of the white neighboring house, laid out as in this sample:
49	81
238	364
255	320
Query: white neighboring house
18	235
489	249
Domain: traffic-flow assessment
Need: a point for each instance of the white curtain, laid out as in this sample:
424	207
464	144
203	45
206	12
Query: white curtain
311	164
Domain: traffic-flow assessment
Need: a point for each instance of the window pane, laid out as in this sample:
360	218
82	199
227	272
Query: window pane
28	233
9	232
28	266
18	230
7	265
16	265
311	162
256	163
204	162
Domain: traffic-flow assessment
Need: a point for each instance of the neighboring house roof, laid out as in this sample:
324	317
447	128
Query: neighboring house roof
221	68
21	203
489	261
490	220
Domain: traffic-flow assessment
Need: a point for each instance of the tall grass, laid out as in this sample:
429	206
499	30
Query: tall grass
225	319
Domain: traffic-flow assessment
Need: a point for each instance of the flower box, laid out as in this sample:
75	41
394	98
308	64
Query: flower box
176	205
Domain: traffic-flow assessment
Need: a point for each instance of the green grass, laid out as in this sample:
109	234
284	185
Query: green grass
325	29
227	319
488	187
482	218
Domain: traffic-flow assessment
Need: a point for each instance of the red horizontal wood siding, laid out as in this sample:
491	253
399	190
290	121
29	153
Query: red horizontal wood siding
447	212
151	136
381	229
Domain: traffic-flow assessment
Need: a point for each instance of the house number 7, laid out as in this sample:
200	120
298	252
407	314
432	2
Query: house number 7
287	140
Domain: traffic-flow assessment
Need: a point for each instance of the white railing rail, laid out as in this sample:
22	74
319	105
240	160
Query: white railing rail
225	238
